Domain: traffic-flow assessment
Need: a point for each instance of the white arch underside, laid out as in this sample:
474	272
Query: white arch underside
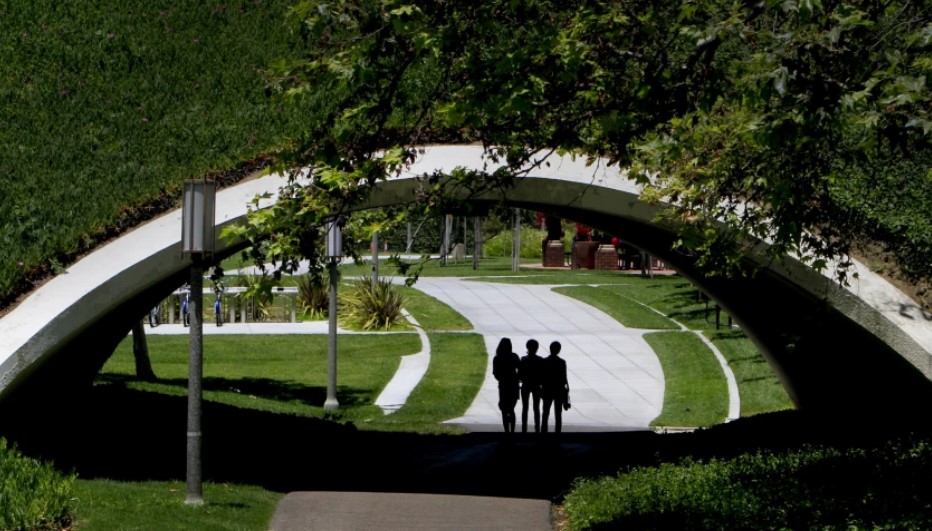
68	304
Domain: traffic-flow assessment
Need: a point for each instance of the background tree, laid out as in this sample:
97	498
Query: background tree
766	116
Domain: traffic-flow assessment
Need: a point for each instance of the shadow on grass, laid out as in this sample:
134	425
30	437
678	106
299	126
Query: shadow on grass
127	435
277	390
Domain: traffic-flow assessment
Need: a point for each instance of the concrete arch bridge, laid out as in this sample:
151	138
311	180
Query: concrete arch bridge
842	353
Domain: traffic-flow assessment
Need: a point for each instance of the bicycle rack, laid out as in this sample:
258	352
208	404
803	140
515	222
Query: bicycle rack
718	312
234	308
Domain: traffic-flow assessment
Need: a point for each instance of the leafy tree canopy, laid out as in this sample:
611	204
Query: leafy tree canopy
802	123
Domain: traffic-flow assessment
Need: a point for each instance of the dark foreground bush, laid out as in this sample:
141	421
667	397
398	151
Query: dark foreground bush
889	487
33	495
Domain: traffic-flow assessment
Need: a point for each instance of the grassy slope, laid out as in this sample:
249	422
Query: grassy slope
108	106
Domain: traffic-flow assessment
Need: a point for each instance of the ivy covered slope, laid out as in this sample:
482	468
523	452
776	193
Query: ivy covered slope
805	123
108	106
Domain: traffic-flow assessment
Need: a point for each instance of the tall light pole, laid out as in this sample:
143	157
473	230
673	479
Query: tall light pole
375	259
334	252
197	242
476	242
516	242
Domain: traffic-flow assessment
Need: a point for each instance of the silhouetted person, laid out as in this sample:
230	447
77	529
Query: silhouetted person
529	374
554	387
505	370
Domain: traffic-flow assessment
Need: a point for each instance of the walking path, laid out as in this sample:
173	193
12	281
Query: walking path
615	378
409	373
616	382
301	511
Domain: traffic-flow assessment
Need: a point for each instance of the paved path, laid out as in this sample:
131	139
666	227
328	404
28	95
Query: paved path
409	373
616	382
303	511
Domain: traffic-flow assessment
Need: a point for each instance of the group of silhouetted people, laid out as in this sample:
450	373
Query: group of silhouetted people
535	380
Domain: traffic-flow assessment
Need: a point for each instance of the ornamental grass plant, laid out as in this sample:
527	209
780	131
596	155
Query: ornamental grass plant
313	296
372	305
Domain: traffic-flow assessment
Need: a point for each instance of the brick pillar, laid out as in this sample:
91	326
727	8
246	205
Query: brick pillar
584	255
553	253
606	258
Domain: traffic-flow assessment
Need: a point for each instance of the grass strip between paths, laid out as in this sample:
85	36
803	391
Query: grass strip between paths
430	313
760	389
621	308
696	394
456	372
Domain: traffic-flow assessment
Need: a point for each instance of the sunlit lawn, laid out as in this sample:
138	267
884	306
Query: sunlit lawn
286	375
626	311
281	375
695	392
692	397
159	505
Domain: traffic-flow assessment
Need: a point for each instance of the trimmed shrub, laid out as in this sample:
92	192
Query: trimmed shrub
531	243
810	488
33	495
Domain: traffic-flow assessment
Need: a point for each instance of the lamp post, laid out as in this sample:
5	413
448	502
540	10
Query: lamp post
516	243
197	242
334	252
476	242
375	259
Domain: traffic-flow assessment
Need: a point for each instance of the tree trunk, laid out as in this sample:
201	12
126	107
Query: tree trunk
141	354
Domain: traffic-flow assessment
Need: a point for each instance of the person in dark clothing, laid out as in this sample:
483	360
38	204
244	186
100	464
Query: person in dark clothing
529	374
554	387
505	370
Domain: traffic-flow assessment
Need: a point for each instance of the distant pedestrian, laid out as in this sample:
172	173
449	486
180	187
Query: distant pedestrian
554	387
505	370
529	374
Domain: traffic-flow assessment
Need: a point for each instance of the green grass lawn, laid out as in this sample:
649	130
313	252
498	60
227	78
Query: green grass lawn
432	314
626	311
285	375
685	405
457	370
159	505
130	99
761	391
695	391
281	374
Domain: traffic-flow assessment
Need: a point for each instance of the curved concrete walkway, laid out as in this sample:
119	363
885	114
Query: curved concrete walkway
616	382
615	378
409	373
